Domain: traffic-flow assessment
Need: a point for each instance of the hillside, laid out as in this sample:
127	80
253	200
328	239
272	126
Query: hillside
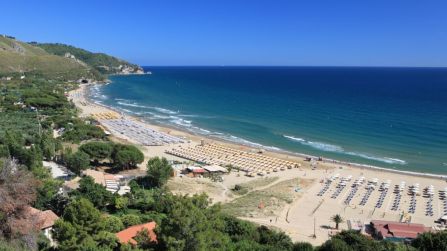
16	56
101	62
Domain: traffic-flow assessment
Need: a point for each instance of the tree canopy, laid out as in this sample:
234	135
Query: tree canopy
158	171
97	150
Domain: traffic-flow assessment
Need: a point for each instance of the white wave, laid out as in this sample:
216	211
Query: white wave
338	149
132	105
158	109
317	145
163	110
157	116
294	138
126	110
381	159
324	146
180	121
201	130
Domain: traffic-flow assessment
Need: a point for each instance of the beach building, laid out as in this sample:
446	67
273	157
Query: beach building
215	169
194	171
396	231
58	171
44	221
111	182
127	235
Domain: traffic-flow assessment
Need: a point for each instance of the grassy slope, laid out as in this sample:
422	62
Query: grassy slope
16	56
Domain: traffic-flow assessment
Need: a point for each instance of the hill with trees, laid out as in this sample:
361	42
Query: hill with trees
101	62
17	57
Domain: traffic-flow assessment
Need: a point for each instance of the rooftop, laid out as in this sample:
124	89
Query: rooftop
215	168
391	229
127	235
43	219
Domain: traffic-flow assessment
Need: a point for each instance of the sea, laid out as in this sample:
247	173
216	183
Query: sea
388	117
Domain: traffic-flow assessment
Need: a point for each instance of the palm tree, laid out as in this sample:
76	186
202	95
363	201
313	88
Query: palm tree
337	219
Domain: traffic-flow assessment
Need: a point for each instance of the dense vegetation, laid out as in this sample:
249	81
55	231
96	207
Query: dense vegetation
33	109
101	62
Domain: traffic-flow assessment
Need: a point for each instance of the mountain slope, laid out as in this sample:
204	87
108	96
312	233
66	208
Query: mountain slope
16	56
99	61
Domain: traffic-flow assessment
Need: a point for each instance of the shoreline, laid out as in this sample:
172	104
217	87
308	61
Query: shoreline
306	204
266	148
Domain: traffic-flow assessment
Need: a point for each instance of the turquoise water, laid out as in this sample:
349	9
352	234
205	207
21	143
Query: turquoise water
388	117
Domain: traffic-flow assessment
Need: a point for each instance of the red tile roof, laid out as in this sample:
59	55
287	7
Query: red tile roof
390	229
43	219
127	235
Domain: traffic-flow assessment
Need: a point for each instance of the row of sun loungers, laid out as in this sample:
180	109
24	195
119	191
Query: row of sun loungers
365	198
398	189
412	207
413	191
252	163
340	187
429	192
442	196
351	195
384	191
139	132
327	184
355	187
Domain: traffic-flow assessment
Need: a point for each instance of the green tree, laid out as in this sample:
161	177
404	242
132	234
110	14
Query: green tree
66	234
121	202
95	193
189	225
337	219
48	146
144	240
335	244
78	161
83	216
274	239
81	228
351	240
113	224
4	151
130	220
431	241
48	187
126	156
239	229
158	171
106	240
97	150
302	246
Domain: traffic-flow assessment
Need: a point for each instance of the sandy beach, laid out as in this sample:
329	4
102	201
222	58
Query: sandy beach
302	213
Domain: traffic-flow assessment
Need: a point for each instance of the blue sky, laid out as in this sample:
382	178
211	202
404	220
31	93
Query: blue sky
241	32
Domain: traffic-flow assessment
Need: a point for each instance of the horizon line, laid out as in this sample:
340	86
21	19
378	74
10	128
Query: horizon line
307	66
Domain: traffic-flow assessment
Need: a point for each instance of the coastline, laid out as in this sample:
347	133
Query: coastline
284	154
305	206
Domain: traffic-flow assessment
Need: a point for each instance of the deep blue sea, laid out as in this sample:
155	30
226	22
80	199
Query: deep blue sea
388	117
